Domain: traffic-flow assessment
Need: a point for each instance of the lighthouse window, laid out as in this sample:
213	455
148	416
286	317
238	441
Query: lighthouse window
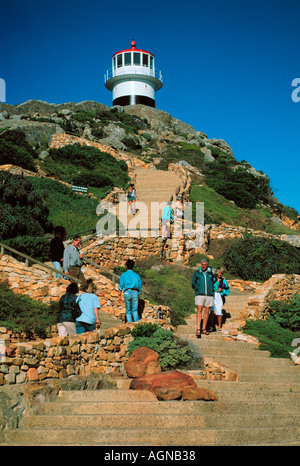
127	59
137	58
145	59
119	60
151	62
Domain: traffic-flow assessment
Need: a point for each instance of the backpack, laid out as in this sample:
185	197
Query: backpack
76	311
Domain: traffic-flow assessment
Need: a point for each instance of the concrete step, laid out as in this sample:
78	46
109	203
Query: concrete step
237	405
251	359
279	387
166	437
270	378
151	421
246	413
103	396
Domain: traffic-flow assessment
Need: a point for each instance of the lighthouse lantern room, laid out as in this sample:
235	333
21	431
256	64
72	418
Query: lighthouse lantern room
133	78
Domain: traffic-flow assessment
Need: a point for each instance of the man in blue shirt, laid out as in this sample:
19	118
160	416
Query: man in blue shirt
131	284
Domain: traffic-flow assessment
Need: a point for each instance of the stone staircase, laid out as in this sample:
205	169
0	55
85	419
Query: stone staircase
153	186
107	320
124	417
261	409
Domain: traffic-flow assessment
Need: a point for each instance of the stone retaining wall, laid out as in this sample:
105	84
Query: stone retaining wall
99	352
35	282
228	232
113	252
278	287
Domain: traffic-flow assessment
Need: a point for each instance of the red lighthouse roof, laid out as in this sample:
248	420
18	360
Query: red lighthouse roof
133	48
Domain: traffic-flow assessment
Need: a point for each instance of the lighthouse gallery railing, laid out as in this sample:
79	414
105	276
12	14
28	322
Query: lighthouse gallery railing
142	70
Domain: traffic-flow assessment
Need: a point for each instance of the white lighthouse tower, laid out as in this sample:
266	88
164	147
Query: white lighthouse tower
133	78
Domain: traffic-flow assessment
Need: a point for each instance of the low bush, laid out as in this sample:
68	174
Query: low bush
172	351
286	314
85	165
238	185
272	337
22	314
255	258
35	247
173	153
74	211
22	209
15	149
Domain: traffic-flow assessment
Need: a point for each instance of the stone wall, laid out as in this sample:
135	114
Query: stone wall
228	232
35	282
114	251
278	287
99	352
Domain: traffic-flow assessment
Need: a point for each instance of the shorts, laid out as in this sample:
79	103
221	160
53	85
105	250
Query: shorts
218	304
202	300
66	328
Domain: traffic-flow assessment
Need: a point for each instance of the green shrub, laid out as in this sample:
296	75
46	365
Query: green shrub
86	166
191	153
172	352
255	258
66	207
22	210
35	247
272	336
286	314
22	314
15	149
238	185
93	179
132	142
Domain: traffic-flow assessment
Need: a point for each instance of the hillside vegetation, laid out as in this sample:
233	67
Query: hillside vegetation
233	192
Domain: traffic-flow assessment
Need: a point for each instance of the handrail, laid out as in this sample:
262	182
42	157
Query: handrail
81	232
52	269
109	272
35	261
134	70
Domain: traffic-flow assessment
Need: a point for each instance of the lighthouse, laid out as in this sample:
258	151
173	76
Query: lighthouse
133	78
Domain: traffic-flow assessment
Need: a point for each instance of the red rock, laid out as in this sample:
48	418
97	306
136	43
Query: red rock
167	394
197	393
142	362
172	385
166	380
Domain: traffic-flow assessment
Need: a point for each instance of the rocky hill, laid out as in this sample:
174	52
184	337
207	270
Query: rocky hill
121	127
157	138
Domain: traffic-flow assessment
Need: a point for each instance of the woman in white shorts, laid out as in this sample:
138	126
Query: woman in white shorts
221	289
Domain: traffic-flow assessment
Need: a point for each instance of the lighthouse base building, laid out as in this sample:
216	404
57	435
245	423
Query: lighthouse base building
133	78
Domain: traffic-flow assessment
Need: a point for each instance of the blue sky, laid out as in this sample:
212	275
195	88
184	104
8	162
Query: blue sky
227	66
